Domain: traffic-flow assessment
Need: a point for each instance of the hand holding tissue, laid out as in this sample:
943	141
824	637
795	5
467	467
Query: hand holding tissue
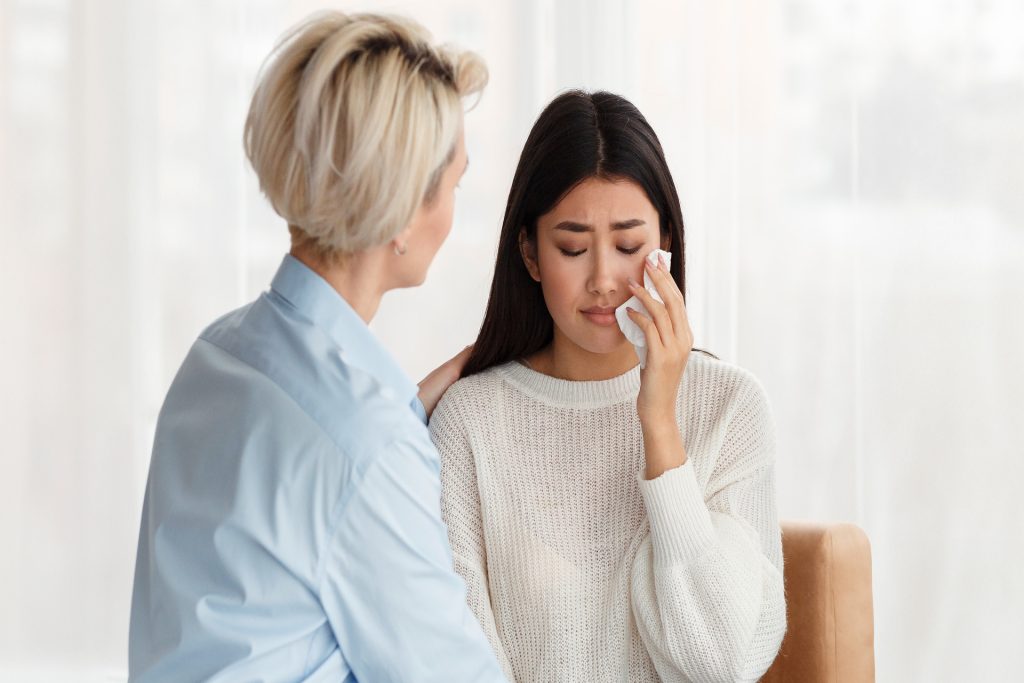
629	328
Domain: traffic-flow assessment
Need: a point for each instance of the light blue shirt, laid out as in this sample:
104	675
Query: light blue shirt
292	527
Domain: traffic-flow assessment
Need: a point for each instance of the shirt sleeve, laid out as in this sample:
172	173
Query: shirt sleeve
393	599
708	591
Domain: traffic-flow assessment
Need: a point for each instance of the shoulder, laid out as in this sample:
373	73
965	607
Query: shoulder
728	395
470	397
234	394
288	361
467	411
724	384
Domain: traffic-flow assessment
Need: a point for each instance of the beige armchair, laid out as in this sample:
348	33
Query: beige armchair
829	605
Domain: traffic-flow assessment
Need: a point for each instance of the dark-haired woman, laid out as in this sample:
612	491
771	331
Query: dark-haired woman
612	523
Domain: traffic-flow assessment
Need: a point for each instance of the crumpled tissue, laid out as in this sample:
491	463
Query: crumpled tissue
629	328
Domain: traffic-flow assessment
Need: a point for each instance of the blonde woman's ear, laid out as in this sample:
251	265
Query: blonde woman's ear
528	250
400	243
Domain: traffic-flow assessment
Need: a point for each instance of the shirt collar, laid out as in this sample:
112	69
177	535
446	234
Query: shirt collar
314	298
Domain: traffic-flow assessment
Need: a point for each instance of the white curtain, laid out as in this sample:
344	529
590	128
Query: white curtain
851	180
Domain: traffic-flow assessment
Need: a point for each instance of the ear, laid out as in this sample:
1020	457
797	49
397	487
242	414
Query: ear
401	240
528	250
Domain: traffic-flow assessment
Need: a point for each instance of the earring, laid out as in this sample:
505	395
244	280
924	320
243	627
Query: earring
400	250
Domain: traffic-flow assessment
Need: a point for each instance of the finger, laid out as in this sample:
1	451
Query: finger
663	281
674	303
657	311
648	327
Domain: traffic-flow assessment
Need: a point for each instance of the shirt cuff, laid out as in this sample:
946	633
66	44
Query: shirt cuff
421	412
681	528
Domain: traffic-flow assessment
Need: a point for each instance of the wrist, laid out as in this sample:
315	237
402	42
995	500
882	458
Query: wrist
663	449
658	422
661	438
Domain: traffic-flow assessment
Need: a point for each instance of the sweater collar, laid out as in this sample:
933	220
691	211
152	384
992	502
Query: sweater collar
565	393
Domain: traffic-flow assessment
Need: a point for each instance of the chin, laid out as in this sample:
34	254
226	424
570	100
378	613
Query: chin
607	341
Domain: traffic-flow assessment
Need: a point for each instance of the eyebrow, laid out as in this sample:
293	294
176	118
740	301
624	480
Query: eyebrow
573	226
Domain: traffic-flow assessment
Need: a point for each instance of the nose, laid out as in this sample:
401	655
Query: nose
603	280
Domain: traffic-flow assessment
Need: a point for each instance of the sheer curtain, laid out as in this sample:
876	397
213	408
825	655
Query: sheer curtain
850	176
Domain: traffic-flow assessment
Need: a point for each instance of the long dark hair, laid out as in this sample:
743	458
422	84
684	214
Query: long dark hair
579	135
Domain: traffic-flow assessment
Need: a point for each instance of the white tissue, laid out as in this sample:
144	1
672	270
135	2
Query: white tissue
629	328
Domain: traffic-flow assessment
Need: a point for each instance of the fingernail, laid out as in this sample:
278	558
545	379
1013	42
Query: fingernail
663	261
632	282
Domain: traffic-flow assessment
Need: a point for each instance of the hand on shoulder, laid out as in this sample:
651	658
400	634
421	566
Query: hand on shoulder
433	386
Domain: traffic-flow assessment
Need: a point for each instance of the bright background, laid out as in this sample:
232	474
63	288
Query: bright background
852	179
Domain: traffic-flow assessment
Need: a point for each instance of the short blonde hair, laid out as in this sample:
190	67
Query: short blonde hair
353	121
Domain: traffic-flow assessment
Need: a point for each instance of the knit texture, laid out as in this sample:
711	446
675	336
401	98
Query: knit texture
580	570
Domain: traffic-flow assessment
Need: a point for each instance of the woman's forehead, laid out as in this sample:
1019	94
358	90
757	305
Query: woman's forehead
597	203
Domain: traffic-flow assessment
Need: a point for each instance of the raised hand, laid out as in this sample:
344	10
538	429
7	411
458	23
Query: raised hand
669	342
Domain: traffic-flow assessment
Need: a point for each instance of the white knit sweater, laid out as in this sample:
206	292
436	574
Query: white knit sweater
580	570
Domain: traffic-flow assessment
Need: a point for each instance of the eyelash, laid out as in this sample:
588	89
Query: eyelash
573	254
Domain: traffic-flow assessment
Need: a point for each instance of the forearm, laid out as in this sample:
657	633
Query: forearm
721	618
388	584
705	578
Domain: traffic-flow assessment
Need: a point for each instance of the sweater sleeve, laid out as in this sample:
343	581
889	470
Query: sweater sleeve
461	511
707	588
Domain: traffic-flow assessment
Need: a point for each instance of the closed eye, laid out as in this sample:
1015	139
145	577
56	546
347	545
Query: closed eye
624	250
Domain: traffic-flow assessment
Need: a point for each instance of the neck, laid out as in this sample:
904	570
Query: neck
564	359
359	279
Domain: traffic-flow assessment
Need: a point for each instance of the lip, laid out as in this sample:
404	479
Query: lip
600	315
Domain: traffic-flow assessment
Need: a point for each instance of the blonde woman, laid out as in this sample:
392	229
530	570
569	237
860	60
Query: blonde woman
292	527
612	523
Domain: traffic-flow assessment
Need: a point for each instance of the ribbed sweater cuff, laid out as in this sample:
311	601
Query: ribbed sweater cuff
681	528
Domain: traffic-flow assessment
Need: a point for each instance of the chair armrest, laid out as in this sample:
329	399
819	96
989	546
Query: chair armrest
829	605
